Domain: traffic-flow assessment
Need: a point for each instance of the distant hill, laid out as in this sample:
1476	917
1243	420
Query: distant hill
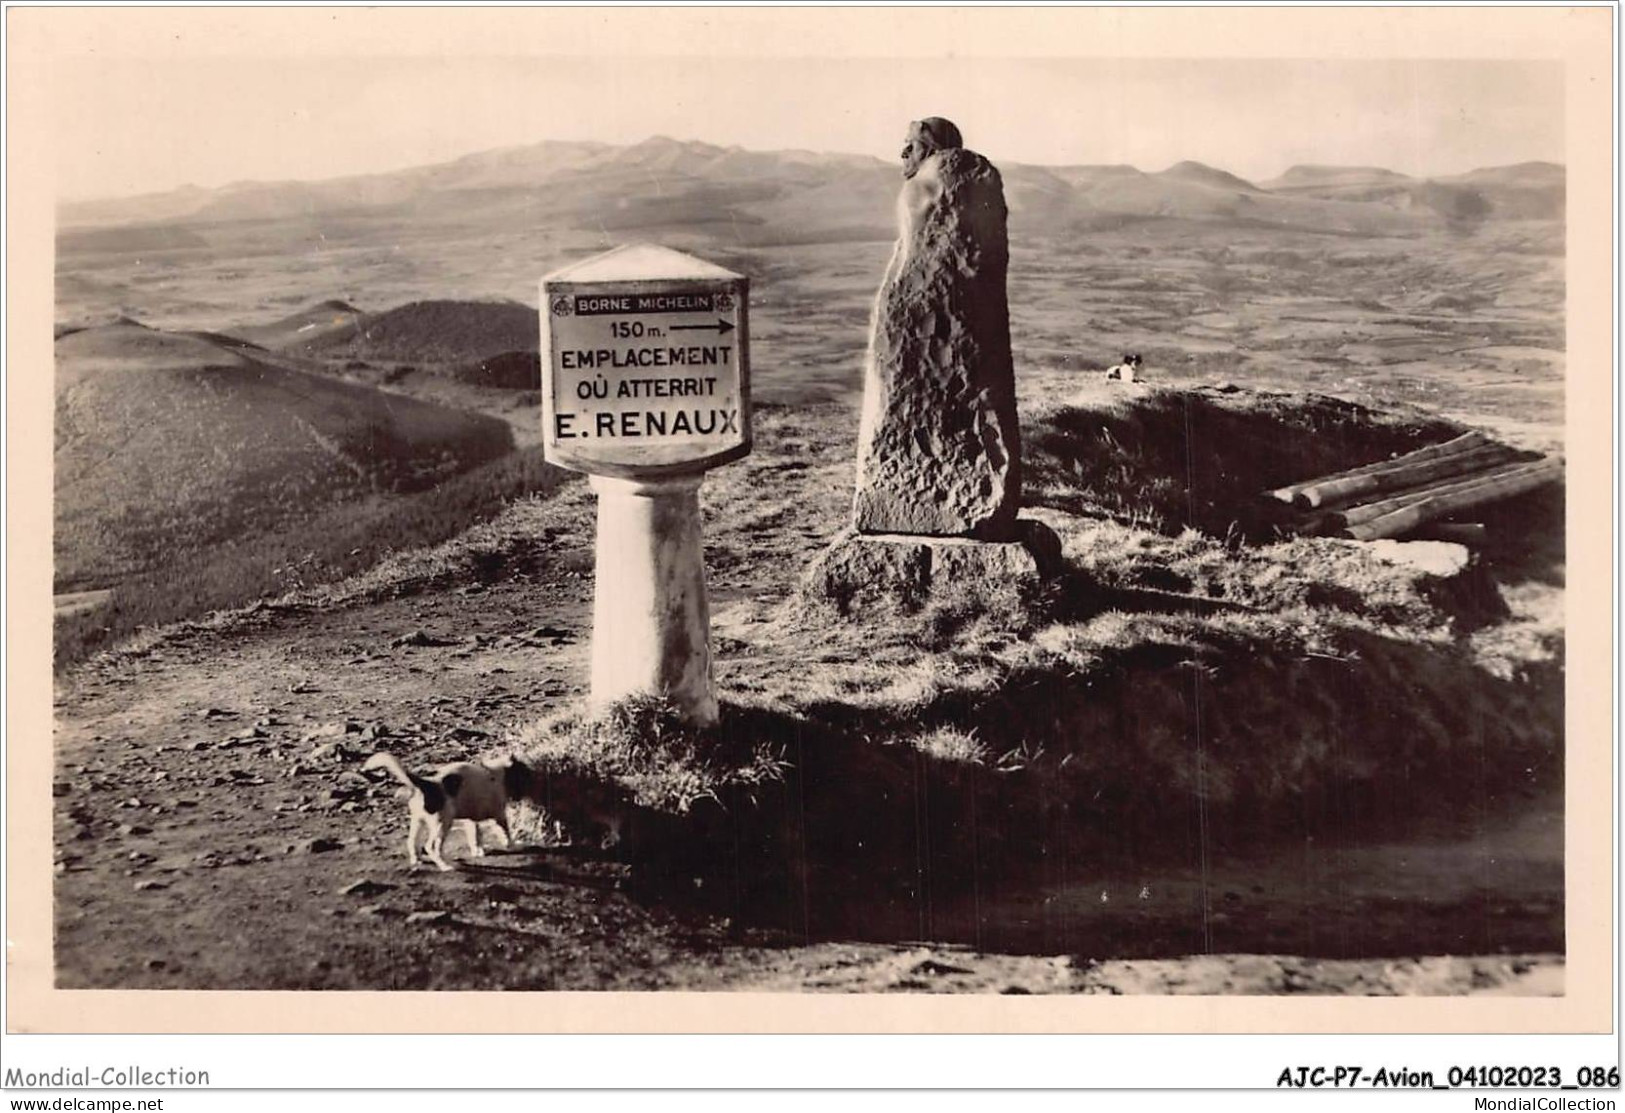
1370	185
483	343
126	346
667	187
1317	177
426	332
169	442
1527	191
1200	174
1191	191
170	205
659	183
1519	174
1037	194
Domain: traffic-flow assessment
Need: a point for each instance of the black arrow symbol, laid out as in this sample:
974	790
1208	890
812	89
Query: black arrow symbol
719	328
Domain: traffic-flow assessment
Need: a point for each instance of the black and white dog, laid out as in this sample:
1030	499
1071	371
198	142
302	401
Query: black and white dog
1125	370
464	792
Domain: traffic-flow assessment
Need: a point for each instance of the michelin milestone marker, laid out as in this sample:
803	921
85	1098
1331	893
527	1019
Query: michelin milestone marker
645	385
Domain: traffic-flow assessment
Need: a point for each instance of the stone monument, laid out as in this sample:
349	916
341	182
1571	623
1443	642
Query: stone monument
939	446
939	451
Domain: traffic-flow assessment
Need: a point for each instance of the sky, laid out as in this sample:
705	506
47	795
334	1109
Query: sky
127	125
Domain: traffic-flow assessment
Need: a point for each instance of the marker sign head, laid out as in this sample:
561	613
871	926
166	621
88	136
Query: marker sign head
645	364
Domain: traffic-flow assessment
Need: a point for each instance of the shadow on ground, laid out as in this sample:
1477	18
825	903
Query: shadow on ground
1183	796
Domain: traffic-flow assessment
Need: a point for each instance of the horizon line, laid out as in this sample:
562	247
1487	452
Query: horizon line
62	201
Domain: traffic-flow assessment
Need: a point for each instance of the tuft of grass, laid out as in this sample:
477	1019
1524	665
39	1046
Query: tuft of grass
643	744
951	744
977	612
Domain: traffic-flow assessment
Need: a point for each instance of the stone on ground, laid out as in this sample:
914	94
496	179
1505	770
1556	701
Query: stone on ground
1431	558
860	570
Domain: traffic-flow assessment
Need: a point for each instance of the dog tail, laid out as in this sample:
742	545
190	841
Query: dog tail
388	761
432	792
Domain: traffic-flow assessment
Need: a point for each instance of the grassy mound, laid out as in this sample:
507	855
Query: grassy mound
1171	459
663	762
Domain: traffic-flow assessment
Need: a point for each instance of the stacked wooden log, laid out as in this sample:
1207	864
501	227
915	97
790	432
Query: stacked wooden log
1408	494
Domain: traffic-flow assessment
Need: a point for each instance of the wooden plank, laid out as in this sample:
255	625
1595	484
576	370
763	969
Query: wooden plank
1339	492
1404	520
1433	451
1365	512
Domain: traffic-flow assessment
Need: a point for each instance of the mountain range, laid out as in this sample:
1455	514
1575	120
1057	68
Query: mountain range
801	196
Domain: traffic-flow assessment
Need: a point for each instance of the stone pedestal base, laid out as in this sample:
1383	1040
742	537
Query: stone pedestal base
651	627
907	570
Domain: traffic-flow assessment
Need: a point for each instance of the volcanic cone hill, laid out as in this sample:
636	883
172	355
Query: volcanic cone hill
1312	178
168	443
326	321
429	332
1202	174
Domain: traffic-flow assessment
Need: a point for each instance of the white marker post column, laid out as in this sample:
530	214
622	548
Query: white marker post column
646	384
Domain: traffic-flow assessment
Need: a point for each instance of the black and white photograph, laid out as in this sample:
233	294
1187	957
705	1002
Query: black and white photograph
821	520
